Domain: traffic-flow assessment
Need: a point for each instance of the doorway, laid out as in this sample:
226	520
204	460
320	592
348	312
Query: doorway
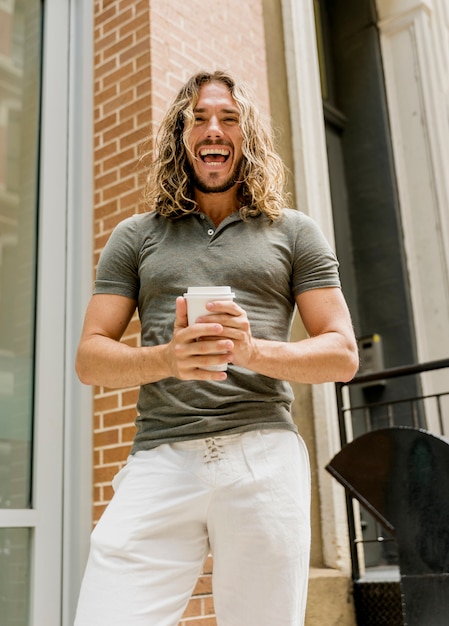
365	208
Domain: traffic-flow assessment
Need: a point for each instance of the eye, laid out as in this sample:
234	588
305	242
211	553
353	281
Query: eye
199	119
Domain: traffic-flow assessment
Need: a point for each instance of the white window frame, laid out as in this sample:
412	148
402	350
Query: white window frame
60	517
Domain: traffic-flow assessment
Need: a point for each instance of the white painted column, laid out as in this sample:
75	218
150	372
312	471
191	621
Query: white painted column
313	197
414	39
415	46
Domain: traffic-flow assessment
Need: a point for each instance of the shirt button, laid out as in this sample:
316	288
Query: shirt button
210	231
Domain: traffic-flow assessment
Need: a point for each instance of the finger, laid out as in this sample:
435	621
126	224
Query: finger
210	346
202	374
200	331
181	313
224	306
229	323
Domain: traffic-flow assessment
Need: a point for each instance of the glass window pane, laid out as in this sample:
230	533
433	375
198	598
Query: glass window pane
14	575
20	52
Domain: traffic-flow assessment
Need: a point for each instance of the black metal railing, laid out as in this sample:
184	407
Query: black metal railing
365	397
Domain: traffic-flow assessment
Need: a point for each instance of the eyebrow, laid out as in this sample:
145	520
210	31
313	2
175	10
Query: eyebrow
225	110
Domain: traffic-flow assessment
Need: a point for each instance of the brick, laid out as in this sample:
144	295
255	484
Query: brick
137	137
129	398
105	474
106	493
106	14
128	169
118	454
126	3
106	150
119	130
203	585
105	122
127	434
104	211
143	60
119	103
105	41
143	32
104	94
118	418
206	621
208	565
132	79
131	199
116	190
132	328
130	340
116	23
142	8
107	438
111	222
107	179
106	403
118	159
105	68
138	105
98	511
208	605
135	51
117	47
193	608
132	25
114	77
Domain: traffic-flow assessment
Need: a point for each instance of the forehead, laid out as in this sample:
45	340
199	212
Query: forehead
216	95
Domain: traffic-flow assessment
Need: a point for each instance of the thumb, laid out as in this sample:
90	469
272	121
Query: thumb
181	313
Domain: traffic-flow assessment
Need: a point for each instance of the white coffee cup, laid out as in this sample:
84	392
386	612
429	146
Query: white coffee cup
197	298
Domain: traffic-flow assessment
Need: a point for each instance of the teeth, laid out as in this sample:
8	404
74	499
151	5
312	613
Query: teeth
219	151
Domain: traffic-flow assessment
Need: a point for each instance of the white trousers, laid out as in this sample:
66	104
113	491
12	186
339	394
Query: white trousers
245	498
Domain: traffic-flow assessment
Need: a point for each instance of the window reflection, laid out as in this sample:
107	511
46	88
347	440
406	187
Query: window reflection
14	576
20	26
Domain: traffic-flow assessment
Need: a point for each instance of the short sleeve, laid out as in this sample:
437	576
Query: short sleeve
315	264
117	271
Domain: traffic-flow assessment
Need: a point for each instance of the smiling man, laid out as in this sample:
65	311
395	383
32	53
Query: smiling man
215	142
217	463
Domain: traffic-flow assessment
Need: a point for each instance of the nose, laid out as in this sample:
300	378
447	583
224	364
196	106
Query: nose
214	127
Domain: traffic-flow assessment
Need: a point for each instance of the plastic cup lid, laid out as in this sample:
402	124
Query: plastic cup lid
209	291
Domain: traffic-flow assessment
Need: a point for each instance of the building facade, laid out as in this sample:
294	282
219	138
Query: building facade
358	93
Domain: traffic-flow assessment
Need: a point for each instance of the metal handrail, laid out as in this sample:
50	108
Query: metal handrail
395	372
389	373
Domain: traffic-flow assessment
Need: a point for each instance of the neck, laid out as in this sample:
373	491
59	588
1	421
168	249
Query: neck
217	206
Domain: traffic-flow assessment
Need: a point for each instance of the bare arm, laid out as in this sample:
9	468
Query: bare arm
329	354
102	359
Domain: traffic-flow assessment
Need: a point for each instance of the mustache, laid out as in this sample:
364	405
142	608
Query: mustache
213	142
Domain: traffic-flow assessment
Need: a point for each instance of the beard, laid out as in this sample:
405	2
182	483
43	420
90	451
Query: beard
229	183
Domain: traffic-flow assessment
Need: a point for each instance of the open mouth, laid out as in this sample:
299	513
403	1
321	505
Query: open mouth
214	156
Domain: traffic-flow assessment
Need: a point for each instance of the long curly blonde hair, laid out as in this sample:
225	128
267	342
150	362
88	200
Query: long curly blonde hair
169	187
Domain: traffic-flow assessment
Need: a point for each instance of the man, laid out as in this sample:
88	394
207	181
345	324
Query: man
217	464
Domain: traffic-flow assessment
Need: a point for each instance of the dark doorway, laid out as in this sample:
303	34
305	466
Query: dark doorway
365	206
364	196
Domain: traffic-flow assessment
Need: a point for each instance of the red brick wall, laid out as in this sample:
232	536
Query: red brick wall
122	114
143	51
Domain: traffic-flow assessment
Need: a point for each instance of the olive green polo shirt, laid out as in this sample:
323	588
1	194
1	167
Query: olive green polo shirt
152	260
